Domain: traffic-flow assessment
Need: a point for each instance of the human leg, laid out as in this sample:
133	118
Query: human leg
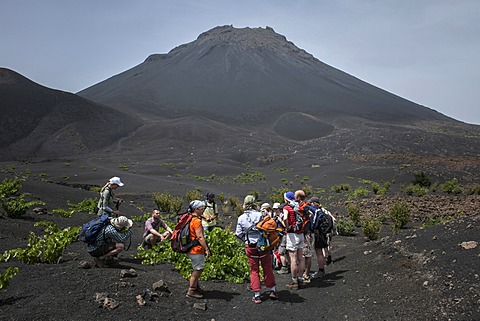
198	264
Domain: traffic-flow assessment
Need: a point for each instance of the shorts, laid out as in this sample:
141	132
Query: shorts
309	244
104	249
198	261
321	241
295	241
282	248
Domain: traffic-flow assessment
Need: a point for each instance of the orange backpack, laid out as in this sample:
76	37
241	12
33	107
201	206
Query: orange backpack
270	234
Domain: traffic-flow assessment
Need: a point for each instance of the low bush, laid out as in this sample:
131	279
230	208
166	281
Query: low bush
452	187
45	249
7	276
193	194
371	227
400	215
353	212
421	179
416	190
16	207
345	227
228	261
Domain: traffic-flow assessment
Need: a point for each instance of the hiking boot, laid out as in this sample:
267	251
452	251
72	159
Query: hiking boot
100	263
283	270
292	285
257	299
191	293
273	295
305	279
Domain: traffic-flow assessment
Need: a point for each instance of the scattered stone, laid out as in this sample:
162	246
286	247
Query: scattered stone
84	265
469	245
412	236
160	286
434	237
425	284
397	242
105	301
40	210
131	273
140	300
200	306
367	252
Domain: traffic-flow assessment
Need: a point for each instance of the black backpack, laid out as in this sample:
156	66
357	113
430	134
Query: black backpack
322	223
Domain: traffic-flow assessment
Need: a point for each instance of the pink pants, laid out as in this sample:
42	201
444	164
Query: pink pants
254	260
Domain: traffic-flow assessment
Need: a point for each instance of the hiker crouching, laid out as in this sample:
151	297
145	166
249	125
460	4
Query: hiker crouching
110	241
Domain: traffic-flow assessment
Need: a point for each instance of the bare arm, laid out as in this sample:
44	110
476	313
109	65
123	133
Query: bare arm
202	241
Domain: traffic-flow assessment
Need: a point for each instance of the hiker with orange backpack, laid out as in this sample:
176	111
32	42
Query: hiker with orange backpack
247	232
200	252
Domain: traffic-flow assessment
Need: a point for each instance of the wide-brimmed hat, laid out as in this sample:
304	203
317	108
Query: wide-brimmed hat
116	180
122	222
249	200
265	206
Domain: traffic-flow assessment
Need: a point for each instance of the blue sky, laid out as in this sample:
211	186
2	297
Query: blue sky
425	51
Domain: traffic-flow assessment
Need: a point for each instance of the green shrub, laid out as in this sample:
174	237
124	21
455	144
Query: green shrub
123	167
452	187
421	179
193	194
7	276
45	249
176	204
400	215
16	207
416	190
384	188
10	187
472	190
221	197
371	227
434	186
228	261
345	227
276	194
255	193
340	188
375	188
353	212
162	200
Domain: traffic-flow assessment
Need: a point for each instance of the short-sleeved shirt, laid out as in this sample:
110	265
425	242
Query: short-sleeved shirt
151	223
209	212
194	225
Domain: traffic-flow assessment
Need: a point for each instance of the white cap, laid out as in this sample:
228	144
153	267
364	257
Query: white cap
116	180
276	205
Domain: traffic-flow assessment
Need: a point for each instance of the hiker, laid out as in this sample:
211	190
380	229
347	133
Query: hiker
152	236
295	242
322	242
209	216
266	209
249	235
110	241
282	247
198	253
308	235
108	203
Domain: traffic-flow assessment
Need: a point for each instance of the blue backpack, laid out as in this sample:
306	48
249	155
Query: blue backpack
90	230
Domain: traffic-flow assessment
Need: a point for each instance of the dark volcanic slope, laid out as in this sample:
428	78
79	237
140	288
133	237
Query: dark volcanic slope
243	74
42	122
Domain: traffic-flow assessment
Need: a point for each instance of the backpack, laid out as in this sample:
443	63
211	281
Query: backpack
90	230
301	218
180	240
322	222
322	225
270	234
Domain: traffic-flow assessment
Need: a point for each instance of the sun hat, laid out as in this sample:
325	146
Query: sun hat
116	180
249	200
276	205
196	204
289	196
122	222
265	206
314	200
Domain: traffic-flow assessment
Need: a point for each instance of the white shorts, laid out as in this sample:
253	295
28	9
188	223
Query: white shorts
295	241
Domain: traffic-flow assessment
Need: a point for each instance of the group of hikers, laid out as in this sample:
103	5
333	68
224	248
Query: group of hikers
299	224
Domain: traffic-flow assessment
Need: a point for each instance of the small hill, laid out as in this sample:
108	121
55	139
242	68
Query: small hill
41	122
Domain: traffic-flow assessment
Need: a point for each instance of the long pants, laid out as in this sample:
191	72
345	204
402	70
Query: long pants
256	258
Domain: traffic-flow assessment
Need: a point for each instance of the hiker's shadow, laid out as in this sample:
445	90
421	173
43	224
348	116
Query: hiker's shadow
220	295
290	297
329	280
